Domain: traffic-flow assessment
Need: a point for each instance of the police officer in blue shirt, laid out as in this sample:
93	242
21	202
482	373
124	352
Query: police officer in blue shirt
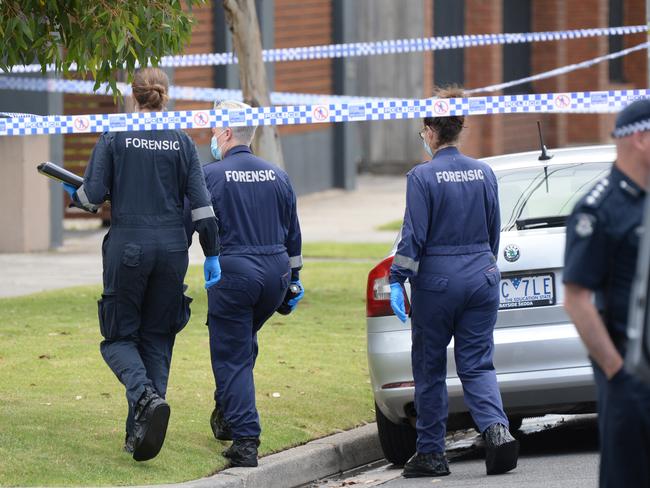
450	238
603	234
146	175
260	257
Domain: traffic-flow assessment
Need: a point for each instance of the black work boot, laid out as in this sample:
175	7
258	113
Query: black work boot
243	452
129	443
220	427
422	465
501	449
151	418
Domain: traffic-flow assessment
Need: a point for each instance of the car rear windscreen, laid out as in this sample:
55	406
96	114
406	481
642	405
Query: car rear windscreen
531	193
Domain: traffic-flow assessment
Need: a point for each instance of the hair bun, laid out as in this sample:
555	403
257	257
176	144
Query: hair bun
150	87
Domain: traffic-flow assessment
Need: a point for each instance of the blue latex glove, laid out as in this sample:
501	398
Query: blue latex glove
69	189
397	301
211	271
293	302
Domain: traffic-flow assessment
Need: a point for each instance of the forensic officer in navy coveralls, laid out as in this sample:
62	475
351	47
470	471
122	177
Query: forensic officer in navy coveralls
260	256
450	238
602	245
146	175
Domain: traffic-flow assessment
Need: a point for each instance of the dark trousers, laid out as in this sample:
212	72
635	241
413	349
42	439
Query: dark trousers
250	290
624	428
142	306
454	296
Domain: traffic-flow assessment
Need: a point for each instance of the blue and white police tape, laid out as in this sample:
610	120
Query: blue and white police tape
396	46
202	94
576	102
16	115
197	94
561	70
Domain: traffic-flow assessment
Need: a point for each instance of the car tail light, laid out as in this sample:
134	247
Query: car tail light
378	291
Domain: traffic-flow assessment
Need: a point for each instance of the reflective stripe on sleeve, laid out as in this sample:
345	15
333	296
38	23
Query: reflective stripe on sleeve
406	262
83	199
202	213
81	195
295	261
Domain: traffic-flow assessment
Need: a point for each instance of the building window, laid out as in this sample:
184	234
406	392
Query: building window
516	57
616	42
449	20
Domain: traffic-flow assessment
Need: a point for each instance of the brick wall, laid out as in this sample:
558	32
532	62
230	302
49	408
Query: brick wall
488	135
548	15
303	23
635	66
428	57
483	66
202	42
585	129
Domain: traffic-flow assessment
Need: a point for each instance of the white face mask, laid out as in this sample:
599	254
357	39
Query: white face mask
214	147
427	148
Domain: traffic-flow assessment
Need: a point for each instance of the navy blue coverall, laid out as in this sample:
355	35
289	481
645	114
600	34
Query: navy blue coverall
602	244
146	175
260	254
450	237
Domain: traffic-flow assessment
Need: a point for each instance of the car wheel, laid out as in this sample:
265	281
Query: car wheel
397	440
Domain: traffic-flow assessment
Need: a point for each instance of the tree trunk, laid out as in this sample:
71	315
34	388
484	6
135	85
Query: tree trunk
241	16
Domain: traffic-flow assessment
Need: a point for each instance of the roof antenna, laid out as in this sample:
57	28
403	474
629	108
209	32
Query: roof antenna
544	156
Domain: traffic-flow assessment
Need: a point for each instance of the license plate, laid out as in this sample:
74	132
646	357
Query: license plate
527	291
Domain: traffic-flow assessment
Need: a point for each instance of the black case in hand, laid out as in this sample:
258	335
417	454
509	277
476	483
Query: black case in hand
292	292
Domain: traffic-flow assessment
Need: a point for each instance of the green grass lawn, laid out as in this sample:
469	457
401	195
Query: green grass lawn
395	225
346	250
62	411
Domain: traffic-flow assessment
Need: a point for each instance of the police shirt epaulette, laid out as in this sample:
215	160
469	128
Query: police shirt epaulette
596	196
629	189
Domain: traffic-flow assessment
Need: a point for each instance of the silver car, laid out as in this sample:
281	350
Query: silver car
542	366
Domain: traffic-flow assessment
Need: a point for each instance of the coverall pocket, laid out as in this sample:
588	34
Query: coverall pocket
493	277
184	314
232	282
231	295
436	283
131	255
107	312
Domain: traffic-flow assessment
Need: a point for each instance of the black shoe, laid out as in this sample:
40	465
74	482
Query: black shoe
501	449
129	444
220	427
151	419
243	452
421	465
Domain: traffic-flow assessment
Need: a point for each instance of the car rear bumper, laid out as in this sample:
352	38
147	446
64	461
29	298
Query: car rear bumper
538	368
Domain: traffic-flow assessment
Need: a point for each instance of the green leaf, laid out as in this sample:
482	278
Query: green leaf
27	31
120	44
96	35
134	32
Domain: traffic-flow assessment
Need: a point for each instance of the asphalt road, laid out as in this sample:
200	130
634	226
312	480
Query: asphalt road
556	452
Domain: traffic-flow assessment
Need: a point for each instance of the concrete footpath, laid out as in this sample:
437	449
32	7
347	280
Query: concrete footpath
301	465
329	216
